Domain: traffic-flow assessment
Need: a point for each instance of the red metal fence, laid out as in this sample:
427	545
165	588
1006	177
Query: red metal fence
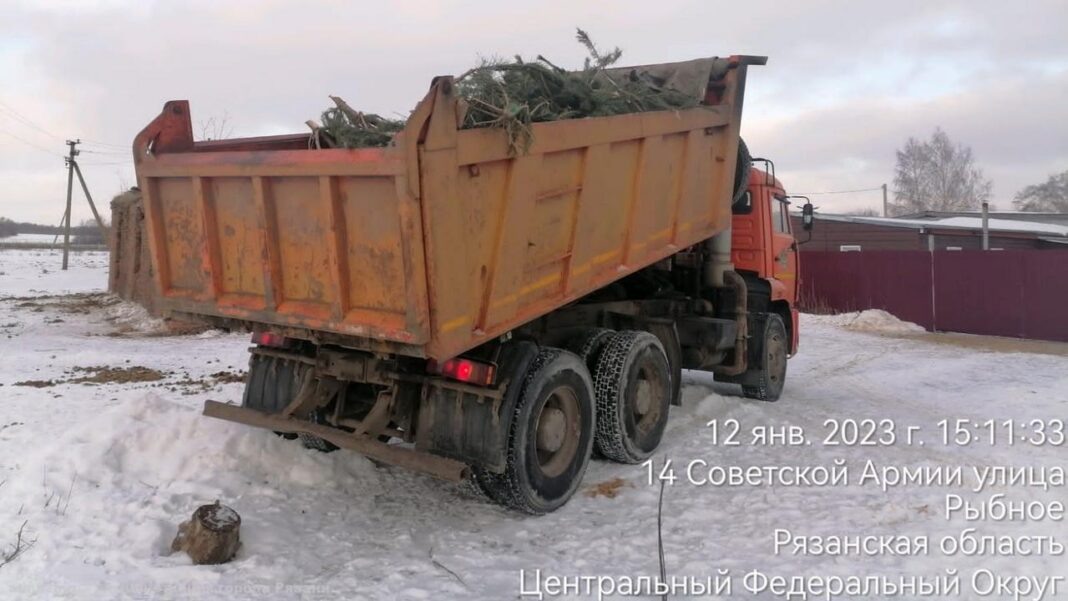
1019	293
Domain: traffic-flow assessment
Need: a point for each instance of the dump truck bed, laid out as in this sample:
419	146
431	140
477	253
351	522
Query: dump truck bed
441	241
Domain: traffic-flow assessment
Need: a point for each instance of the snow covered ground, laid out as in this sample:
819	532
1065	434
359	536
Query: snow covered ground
103	452
31	239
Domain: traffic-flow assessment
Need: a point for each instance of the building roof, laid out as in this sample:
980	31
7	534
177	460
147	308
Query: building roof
1052	231
1036	216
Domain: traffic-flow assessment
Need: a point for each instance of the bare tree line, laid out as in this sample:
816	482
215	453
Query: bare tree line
939	175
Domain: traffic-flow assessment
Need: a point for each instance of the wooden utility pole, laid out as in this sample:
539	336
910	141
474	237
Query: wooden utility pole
70	188
886	205
92	205
72	169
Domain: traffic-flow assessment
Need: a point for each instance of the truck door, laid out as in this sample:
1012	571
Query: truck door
783	247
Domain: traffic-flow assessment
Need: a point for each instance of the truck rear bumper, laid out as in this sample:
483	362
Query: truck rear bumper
433	465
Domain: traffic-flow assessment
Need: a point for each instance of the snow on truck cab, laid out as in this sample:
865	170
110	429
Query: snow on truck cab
449	306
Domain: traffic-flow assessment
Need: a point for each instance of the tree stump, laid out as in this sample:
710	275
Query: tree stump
211	536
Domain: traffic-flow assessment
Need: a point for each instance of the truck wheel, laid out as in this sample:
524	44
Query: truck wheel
588	345
311	441
764	382
633	386
272	384
550	438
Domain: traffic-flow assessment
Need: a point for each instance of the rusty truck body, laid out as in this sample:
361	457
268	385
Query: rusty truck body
447	305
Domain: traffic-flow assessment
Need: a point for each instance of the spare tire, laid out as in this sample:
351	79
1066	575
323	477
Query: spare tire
741	171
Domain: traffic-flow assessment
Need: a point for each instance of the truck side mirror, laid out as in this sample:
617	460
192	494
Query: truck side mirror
808	218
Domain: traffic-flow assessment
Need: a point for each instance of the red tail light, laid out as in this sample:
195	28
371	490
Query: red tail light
271	339
465	370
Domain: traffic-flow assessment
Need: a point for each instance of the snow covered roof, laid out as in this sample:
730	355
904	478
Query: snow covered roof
1037	216
957	223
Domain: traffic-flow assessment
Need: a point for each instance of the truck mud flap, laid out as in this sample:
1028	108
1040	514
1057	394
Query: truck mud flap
474	428
438	467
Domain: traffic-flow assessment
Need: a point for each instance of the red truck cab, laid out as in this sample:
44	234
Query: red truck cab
764	247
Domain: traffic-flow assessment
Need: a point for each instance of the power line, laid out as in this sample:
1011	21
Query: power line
31	144
839	191
57	155
107	152
26	121
105	144
12	113
126	162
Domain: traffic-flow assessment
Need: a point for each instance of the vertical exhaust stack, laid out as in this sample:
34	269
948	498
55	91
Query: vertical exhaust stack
719	273
719	250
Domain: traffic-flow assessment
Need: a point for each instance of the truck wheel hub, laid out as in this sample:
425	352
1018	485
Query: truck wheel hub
643	398
552	428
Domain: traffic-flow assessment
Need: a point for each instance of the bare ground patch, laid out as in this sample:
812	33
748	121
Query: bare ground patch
169	327
73	304
190	386
992	344
117	375
609	488
101	375
135	374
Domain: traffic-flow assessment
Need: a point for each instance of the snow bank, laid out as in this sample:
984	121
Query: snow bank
870	320
156	441
132	318
118	484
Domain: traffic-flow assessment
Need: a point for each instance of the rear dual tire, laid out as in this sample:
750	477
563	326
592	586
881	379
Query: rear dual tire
633	385
272	385
550	438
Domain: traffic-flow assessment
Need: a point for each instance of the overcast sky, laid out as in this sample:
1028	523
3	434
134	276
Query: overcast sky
846	82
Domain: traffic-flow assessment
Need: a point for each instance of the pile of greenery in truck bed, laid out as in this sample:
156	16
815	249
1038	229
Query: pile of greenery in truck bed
348	128
511	95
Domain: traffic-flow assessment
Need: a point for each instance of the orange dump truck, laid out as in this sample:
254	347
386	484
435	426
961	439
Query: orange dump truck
444	305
